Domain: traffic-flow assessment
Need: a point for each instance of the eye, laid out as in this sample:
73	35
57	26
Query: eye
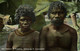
22	19
54	12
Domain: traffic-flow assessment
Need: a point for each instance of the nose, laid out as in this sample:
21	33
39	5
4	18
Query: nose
25	22
57	15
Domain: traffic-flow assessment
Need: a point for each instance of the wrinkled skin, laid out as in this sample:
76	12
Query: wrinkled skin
57	17
25	23
58	37
23	37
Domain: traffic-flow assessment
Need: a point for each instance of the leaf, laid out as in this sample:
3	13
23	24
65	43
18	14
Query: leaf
71	7
41	6
1	1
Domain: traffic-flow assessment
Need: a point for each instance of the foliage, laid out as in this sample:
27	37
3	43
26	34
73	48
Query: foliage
1	1
11	5
71	7
40	22
41	6
78	5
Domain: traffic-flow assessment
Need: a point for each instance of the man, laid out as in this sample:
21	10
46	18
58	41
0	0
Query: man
24	38
58	36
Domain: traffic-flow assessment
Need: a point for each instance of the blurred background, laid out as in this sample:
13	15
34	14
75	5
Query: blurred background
7	12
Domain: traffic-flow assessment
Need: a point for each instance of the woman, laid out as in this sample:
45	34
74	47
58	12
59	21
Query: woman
24	38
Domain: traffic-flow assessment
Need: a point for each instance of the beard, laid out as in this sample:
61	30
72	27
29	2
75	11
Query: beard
57	22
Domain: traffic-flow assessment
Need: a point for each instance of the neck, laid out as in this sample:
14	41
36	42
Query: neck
58	27
25	30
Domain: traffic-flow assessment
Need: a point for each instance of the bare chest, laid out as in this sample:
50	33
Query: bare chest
55	38
23	41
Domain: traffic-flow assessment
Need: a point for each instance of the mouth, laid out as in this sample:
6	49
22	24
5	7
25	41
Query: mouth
25	26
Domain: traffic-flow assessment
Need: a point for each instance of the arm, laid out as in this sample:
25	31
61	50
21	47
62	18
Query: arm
35	41
9	43
9	46
42	39
74	41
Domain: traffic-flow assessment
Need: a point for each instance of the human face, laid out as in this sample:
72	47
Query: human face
25	22
57	17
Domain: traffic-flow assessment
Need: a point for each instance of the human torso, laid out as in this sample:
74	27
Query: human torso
25	43
58	41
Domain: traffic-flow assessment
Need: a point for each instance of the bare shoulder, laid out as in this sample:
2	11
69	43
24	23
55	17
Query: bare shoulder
36	32
36	35
72	30
46	27
11	34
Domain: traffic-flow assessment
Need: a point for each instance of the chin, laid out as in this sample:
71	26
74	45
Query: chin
25	27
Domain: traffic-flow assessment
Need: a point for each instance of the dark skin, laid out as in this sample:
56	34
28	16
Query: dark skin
26	33
24	27
25	23
1	24
58	38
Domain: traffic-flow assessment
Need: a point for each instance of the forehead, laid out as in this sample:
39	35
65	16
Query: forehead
56	10
25	17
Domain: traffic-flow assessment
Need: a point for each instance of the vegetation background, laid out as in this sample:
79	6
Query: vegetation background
8	7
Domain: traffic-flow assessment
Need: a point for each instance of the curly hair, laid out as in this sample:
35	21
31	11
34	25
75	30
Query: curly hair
55	5
24	10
